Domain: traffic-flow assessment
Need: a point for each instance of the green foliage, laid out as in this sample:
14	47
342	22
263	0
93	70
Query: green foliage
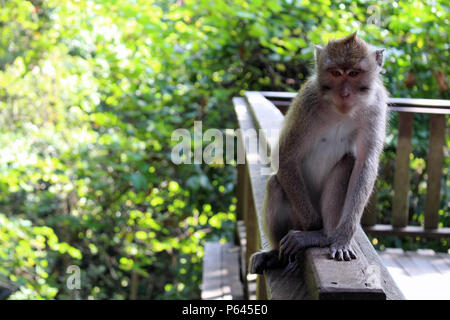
28	253
91	91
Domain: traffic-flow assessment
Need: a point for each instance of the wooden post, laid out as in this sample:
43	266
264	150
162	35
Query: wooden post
241	172
434	170
250	221
401	178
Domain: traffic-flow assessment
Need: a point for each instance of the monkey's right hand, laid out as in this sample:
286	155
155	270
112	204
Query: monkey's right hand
342	251
296	240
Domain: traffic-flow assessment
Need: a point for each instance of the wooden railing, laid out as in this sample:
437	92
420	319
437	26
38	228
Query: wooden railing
437	109
318	276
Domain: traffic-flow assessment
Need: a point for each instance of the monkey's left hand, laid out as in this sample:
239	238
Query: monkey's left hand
342	251
296	240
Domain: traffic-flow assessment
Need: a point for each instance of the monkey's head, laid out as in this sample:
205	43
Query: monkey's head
347	69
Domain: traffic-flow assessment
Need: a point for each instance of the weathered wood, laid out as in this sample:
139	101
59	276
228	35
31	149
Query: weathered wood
240	190
251	224
267	118
242	242
401	177
427	106
413	102
221	279
419	110
434	170
438	103
387	282
408	231
212	272
422	275
255	190
278	286
294	286
342	280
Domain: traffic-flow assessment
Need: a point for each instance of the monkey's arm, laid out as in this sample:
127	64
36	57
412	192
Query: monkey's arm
294	186
362	180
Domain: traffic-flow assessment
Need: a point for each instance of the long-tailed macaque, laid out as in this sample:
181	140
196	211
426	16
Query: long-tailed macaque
329	150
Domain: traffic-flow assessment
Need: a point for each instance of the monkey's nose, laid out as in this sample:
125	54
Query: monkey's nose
344	94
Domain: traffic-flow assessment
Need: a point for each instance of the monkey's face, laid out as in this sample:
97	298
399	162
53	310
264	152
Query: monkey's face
347	69
346	87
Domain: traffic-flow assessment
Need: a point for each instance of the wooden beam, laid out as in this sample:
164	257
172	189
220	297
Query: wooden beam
408	231
412	102
401	177
220	278
434	171
419	110
267	118
427	106
341	280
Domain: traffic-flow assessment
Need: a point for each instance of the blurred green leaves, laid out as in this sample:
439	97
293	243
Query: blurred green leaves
91	91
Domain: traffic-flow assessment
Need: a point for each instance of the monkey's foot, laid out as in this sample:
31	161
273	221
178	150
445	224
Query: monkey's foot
263	260
295	241
342	252
292	267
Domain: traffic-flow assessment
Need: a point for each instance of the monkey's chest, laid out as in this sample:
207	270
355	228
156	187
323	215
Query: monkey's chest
326	151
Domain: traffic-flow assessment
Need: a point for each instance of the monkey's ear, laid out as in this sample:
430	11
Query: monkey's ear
317	50
379	54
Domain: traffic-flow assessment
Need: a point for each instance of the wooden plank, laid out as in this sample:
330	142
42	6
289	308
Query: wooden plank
341	280
401	178
240	190
388	284
436	103
419	277
267	118
408	231
434	170
212	272
422	261
427	106
221	278
441	262
232	279
242	241
441	111
284	104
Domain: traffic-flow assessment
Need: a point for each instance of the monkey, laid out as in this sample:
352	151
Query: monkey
328	153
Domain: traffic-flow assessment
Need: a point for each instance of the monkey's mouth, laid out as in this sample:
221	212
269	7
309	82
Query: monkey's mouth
344	108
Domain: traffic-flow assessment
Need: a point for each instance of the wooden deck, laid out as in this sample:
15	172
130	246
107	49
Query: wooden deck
421	275
221	272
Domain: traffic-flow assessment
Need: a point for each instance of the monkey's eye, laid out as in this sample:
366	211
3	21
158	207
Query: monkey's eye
353	73
336	73
325	87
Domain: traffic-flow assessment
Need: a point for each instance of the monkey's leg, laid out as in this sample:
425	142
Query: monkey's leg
276	211
332	202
